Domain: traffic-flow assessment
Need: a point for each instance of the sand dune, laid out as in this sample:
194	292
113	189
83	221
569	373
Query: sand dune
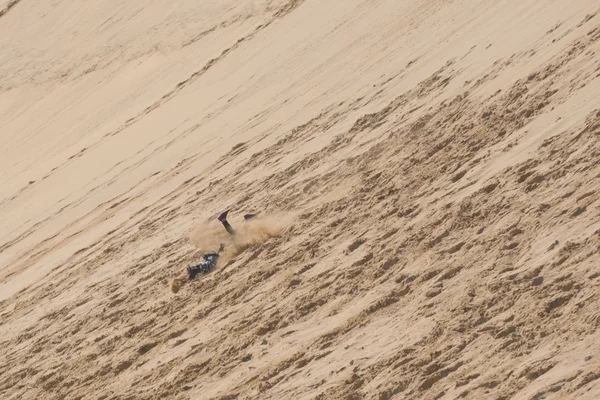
427	173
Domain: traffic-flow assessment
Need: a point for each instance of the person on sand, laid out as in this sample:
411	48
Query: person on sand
210	259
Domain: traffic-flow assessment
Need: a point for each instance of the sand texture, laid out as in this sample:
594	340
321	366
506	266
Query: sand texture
426	172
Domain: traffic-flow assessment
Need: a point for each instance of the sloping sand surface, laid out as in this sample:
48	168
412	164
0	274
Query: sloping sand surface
427	175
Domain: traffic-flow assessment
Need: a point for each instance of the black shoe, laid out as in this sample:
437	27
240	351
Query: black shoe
248	217
223	216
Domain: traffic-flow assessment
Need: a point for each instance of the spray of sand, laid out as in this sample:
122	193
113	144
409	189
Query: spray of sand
252	233
208	238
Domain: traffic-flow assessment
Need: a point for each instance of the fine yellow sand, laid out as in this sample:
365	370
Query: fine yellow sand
427	174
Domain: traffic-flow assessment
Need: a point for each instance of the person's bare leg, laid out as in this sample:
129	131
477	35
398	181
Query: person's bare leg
226	224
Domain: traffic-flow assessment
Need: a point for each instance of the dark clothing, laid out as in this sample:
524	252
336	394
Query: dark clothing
209	263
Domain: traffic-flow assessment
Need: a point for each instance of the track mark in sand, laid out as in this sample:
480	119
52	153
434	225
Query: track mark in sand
8	7
167	97
586	19
282	12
